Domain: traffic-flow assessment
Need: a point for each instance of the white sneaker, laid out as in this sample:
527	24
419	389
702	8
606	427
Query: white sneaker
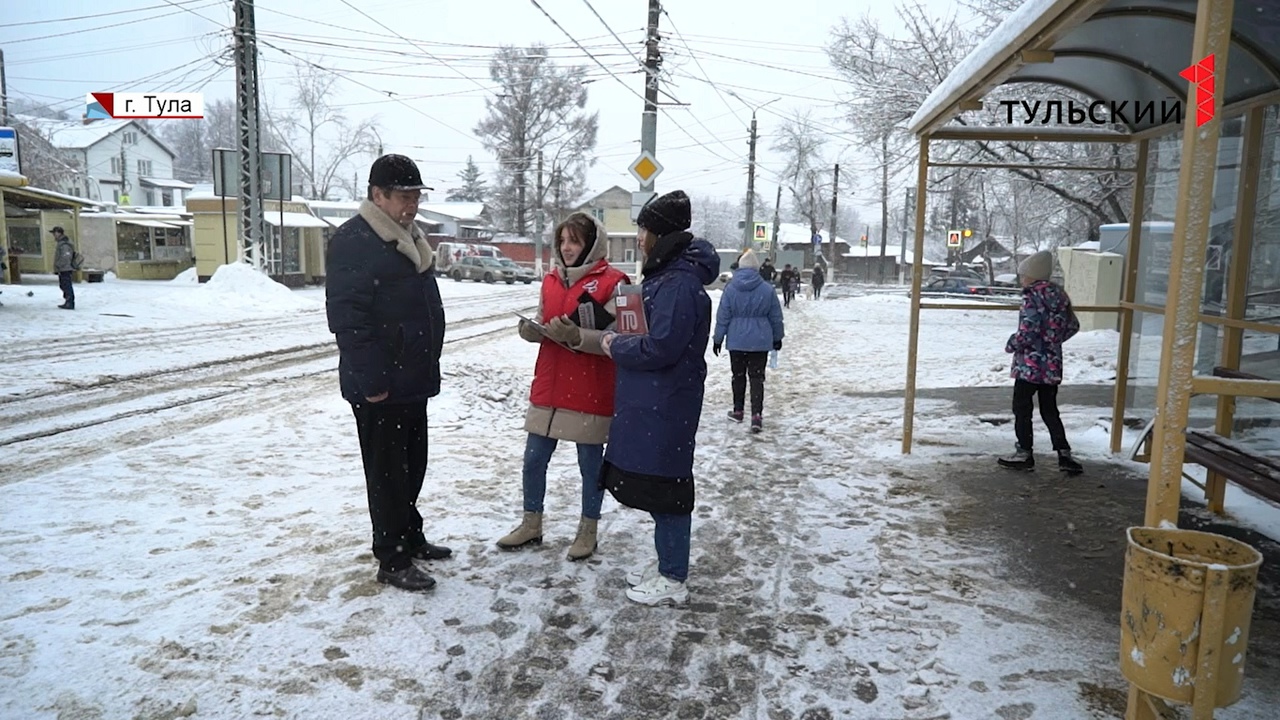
635	577
659	589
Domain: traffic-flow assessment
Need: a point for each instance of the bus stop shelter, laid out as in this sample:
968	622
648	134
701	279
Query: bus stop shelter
1221	60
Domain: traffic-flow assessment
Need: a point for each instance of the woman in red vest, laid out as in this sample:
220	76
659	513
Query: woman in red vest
573	381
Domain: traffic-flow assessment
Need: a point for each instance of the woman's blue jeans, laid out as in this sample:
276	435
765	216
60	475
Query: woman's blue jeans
671	540
537	455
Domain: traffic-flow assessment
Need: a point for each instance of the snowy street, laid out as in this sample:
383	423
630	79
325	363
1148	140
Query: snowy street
186	535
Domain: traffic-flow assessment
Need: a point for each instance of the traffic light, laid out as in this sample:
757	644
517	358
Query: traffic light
968	233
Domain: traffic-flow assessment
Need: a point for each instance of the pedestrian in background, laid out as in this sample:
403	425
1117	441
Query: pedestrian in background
750	319
573	381
819	279
385	312
788	279
1045	322
64	264
661	381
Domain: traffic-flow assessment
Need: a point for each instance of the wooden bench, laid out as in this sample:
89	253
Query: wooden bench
1229	461
1255	473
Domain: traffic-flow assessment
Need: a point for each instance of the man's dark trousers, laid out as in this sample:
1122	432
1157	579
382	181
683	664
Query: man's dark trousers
1023	392
67	288
393	444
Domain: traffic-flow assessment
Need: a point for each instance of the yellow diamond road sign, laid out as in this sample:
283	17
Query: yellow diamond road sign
645	168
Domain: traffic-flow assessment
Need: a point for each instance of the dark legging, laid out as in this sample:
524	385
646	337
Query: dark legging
748	365
1023	394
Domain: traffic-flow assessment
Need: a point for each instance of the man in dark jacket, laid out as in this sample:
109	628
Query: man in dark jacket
384	309
819	279
768	271
787	278
64	264
661	380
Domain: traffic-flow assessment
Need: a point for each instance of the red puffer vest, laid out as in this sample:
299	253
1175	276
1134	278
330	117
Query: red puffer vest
565	379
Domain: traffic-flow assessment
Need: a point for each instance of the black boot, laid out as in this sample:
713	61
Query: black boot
408	578
431	552
1068	464
1020	460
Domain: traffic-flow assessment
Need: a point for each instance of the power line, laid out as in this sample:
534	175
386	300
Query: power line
86	17
104	27
699	64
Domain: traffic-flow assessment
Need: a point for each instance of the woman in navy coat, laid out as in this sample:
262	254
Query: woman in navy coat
660	383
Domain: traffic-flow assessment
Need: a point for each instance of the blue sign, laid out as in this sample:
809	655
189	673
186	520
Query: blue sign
817	238
9	151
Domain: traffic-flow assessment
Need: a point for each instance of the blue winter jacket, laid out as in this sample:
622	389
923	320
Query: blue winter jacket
661	375
750	314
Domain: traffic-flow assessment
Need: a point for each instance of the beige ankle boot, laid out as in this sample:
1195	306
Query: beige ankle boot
529	531
584	545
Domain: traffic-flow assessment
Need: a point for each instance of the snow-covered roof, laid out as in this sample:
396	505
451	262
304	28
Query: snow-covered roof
1017	30
458	210
63	199
75	135
12	179
167	183
1086	47
798	234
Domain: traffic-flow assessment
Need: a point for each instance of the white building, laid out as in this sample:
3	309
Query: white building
118	161
461	220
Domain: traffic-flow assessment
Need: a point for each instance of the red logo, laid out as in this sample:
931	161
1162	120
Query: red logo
1200	75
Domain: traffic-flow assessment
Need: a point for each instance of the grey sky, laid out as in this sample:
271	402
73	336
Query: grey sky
703	147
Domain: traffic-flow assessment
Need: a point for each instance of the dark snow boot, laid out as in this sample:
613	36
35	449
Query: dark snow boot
757	423
407	578
1068	464
735	415
1019	460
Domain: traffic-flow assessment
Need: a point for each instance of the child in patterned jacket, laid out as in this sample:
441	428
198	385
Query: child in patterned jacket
1045	322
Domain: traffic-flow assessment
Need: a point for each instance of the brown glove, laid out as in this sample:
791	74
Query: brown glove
529	332
563	331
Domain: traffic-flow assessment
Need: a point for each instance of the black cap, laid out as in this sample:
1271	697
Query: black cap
396	172
665	214
56	229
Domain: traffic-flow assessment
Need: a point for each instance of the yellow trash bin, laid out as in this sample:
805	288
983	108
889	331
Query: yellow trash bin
1181	586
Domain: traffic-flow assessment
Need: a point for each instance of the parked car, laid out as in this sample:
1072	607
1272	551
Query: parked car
955	286
523	274
482	269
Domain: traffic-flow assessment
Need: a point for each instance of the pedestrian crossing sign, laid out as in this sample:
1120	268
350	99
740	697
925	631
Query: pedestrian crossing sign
762	231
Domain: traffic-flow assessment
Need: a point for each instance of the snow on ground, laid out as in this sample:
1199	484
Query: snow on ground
212	559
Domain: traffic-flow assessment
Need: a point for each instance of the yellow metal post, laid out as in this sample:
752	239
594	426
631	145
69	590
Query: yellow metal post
1186	276
1130	288
1238	284
917	279
1186	271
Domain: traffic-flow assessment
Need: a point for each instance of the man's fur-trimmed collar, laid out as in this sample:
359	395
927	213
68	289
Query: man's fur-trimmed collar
409	241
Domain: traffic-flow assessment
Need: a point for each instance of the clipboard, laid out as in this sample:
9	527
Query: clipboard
542	330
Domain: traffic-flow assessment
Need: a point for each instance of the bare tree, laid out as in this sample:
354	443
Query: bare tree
319	136
806	174
716	221
889	77
539	109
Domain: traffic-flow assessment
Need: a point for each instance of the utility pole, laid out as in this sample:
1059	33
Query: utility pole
835	193
555	180
537	240
649	120
124	177
952	254
749	226
908	206
4	94
246	53
884	202
777	205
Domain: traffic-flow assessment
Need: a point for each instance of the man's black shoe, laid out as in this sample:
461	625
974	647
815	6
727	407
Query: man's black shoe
409	578
431	552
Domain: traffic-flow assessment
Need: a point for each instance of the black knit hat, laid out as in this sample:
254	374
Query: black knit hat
666	214
396	172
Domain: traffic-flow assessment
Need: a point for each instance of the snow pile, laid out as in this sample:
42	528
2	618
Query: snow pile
240	286
186	277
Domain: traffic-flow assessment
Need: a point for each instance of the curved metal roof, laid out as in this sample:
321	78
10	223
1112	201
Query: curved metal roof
1112	51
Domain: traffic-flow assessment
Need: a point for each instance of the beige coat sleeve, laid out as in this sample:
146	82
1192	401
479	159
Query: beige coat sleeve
528	333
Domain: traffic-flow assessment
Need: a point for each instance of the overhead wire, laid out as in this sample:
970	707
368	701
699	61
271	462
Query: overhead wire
86	17
105	27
